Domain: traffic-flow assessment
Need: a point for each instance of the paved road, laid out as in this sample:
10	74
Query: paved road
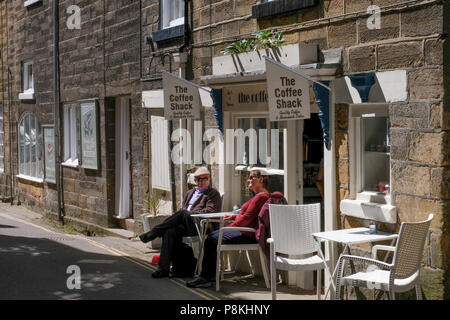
38	263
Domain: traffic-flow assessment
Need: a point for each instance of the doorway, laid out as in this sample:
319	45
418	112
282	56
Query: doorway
123	158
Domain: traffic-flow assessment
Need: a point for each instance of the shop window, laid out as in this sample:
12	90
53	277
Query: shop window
261	147
30	147
27	81
2	141
70	136
371	151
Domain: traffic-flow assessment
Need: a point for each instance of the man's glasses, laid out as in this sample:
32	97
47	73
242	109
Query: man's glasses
202	179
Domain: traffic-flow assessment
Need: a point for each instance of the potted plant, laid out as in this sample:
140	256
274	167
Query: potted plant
247	55
154	217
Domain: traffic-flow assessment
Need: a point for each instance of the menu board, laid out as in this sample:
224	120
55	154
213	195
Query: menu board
89	135
49	154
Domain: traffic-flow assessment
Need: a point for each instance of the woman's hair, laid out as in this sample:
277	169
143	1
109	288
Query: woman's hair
265	178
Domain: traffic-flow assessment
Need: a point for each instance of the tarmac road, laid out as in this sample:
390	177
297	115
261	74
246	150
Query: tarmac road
39	263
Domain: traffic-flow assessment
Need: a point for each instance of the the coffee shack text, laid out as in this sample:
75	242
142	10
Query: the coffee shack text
288	92
181	100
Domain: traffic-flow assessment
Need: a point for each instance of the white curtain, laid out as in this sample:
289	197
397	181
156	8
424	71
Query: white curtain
123	159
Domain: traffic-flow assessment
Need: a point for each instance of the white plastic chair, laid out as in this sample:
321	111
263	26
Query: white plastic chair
239	247
399	276
291	228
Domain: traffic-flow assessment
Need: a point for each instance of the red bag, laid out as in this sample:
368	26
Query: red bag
155	259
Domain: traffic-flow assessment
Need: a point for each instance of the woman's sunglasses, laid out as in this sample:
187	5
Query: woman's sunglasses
202	179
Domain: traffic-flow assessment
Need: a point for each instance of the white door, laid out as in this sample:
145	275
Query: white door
123	157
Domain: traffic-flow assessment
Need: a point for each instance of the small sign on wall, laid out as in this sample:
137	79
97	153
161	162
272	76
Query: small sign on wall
181	98
49	154
89	135
288	93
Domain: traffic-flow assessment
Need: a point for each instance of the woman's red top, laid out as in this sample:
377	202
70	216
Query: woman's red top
248	217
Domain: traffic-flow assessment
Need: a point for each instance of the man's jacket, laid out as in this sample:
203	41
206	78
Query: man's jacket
209	202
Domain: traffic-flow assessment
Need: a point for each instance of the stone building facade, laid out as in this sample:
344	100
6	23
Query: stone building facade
113	60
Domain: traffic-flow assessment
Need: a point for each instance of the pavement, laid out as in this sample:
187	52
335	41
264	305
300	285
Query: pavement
128	246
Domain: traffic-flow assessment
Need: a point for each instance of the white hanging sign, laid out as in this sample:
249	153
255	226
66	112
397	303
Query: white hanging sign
288	93
181	98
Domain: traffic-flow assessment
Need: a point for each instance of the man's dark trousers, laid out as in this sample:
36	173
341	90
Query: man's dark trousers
172	230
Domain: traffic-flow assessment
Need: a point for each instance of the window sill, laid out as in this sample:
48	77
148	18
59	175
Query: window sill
168	33
70	163
367	210
26	96
30	2
30	179
280	7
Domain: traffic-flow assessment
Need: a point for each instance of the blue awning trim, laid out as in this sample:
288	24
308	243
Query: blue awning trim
323	101
363	82
216	95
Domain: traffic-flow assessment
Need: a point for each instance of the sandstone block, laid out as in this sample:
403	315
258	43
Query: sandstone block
417	209
411	179
426	84
342	34
390	29
434	52
409	115
428	148
422	21
362	59
400	55
333	8
399	145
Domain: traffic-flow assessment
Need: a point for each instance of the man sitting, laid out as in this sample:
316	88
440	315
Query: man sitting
247	217
201	199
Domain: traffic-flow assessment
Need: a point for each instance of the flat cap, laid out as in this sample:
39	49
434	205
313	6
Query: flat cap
201	171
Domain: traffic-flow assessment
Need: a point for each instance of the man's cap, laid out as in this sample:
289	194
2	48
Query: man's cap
201	171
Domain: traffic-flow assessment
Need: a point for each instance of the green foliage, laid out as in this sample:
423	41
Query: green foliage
154	202
263	40
239	47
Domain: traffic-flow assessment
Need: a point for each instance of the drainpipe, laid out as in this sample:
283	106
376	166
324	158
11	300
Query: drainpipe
56	106
11	173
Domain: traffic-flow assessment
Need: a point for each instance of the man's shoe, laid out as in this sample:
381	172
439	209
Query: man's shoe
199	282
147	237
160	274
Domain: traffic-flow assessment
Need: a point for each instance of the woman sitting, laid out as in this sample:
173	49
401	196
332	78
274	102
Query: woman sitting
247	217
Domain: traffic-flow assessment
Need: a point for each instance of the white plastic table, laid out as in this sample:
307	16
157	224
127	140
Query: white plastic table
204	219
347	237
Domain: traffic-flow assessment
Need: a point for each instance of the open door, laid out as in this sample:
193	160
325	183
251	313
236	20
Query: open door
123	158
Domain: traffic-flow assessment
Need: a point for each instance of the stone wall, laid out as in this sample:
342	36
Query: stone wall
410	38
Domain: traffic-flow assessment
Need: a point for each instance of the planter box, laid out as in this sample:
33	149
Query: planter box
290	55
148	222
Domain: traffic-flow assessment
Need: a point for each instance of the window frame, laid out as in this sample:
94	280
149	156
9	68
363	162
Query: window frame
166	21
357	112
26	168
70	136
27	90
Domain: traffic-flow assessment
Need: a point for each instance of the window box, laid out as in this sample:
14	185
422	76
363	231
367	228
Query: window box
291	55
276	7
